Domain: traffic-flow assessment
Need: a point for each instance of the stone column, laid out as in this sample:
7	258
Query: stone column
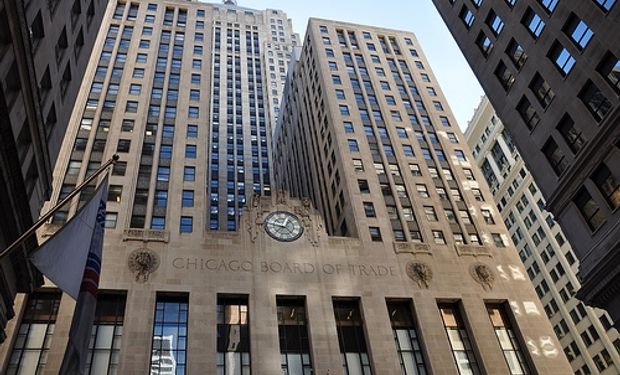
135	353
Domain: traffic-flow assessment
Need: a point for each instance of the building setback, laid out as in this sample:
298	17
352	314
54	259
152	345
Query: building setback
586	334
552	68
44	50
279	288
366	134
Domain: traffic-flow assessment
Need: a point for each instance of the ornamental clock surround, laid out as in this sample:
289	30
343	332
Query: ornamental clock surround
283	226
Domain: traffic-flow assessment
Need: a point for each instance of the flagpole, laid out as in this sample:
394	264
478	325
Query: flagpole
51	212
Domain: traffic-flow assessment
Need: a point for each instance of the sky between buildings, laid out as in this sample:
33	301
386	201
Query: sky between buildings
457	81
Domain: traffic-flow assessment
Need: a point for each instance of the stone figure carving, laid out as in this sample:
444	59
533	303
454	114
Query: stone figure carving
482	274
142	262
419	272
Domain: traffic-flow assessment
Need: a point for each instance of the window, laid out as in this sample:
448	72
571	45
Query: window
541	90
131	106
467	16
348	127
504	75
460	155
406	338
35	333
596	102
293	334
605	4
186	224
422	191
508	339
528	114
484	43
336	79
363	186
555	156
369	209
189	173
610	70
358	165
123	145
135	89
190	151
351	337
533	22
161	198
375	233
115	193
438	237
344	110
561	58
193	112
549	5
498	240
106	334
415	170
163	173
169	342
187	198
608	185
578	31
495	23
488	217
353	147
516	53
233	319
458	336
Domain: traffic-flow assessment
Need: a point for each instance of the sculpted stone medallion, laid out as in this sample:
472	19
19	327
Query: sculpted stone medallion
419	272
142	262
482	274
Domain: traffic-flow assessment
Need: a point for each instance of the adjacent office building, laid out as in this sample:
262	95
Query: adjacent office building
404	267
586	334
44	50
554	66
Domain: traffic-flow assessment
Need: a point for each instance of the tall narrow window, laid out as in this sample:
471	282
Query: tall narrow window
528	113
507	340
233	335
458	336
610	70
555	156
571	134
533	22
169	343
406	338
608	185
589	208
594	99
541	89
33	340
355	359
293	333
106	334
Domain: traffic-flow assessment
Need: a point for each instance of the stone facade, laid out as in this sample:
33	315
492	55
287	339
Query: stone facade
320	268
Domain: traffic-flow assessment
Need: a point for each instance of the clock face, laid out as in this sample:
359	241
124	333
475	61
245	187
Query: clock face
283	226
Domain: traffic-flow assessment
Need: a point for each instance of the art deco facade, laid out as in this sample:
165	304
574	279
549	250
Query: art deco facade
285	291
554	66
586	335
44	50
367	135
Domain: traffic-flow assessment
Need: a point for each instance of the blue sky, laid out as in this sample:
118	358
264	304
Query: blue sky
419	16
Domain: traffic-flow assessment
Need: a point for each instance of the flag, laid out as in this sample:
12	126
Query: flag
71	259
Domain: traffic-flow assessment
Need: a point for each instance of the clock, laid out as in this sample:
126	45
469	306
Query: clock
283	226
